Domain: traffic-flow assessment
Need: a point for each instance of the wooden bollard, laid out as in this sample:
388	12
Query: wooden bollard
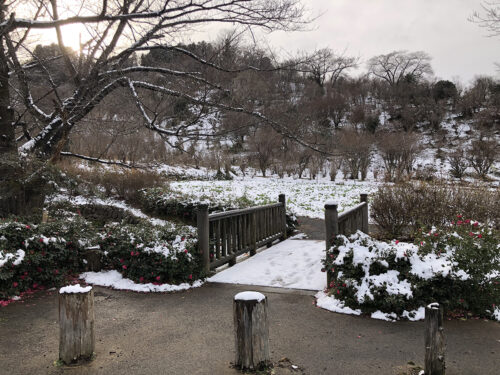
251	330
434	340
76	323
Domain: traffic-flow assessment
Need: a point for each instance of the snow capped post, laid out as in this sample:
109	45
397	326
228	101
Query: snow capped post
331	222
282	199
364	226
251	330
76	323
434	340
203	234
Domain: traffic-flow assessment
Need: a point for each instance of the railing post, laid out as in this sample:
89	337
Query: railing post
332	229
203	235
434	340
365	228
253	233
331	223
282	199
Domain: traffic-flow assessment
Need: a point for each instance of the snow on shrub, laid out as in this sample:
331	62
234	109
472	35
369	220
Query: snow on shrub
38	256
149	254
457	265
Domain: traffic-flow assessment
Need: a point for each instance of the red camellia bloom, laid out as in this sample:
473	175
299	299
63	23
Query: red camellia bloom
190	277
41	240
121	260
479	235
124	267
15	284
141	279
459	216
397	241
158	278
476	224
132	253
460	222
185	250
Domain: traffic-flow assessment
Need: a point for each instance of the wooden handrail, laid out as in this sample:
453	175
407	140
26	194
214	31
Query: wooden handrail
222	236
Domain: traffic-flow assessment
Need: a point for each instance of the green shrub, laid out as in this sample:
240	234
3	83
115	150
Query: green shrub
44	255
457	265
145	254
404	208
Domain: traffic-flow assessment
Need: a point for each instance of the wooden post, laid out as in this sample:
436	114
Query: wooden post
332	229
93	256
253	233
76	323
365	228
282	199
203	234
331	223
434	340
251	331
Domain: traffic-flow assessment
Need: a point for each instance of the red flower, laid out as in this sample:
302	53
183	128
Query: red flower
124	267
28	227
185	250
141	279
41	240
158	278
460	222
183	238
35	285
190	277
467	221
479	235
332	284
136	253
15	284
397	241
121	260
476	224
132	253
471	234
56	271
459	216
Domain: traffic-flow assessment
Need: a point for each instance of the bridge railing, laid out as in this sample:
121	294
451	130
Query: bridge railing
348	222
225	235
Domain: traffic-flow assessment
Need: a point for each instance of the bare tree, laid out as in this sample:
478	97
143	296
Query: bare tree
40	123
327	66
489	17
398	66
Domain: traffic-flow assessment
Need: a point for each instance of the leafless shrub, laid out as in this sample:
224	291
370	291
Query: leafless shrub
398	151
406	207
482	155
335	165
356	149
458	163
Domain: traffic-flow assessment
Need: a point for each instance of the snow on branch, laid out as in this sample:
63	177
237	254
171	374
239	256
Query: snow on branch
102	161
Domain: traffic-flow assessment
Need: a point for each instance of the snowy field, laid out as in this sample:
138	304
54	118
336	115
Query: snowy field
294	264
304	197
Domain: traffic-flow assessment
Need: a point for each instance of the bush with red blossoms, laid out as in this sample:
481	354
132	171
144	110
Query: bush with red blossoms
152	254
39	256
457	265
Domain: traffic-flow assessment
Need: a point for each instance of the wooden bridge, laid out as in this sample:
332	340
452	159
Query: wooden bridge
224	236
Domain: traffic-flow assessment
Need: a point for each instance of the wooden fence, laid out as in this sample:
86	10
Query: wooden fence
347	222
224	236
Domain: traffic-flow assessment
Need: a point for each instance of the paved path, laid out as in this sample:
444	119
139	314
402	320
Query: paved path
191	333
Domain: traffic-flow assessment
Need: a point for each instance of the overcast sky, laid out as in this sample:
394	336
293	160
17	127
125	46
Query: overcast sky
371	27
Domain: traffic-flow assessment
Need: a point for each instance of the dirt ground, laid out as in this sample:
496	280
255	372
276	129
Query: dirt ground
192	333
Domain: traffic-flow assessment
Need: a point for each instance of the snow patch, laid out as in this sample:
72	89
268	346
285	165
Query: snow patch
70	289
115	280
249	296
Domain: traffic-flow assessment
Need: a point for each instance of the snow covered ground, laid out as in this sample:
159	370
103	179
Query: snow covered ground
304	197
294	264
115	280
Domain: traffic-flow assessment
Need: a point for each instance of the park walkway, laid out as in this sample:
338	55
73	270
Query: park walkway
192	333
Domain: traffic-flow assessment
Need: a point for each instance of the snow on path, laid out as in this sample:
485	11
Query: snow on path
292	264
